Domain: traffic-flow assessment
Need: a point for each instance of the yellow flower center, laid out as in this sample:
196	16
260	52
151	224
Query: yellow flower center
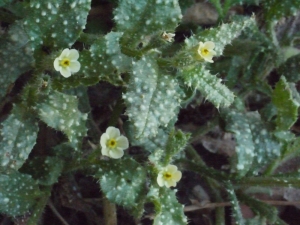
111	143
204	51
65	62
167	176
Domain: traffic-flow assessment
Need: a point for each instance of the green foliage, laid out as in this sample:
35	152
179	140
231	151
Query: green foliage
209	85
55	23
144	98
287	108
166	207
19	133
16	56
64	116
276	9
18	193
123	182
138	19
133	77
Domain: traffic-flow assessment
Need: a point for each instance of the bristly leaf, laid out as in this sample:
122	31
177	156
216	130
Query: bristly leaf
44	170
237	123
140	18
222	35
146	91
18	193
56	23
60	111
123	182
290	69
167	208
19	133
16	57
276	9
209	85
287	108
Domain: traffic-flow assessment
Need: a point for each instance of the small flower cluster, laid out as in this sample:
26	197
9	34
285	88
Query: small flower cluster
113	145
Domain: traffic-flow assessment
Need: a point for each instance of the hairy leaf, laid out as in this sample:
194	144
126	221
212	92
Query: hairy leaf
16	56
152	99
19	133
276	9
18	193
60	111
222	35
56	23
287	108
140	18
167	208
209	85
123	182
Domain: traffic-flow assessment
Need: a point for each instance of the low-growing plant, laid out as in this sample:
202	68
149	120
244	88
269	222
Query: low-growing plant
149	66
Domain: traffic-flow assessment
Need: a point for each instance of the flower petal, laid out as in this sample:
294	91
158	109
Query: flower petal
113	132
171	168
56	64
116	153
170	183
65	72
105	151
65	53
122	142
74	66
160	180
103	140
73	54
209	44
177	176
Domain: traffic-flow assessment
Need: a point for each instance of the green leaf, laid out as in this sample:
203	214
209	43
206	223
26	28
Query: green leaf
60	112
167	208
290	69
16	57
266	147
45	170
276	9
287	108
259	208
238	124
176	143
138	19
235	207
222	35
152	99
5	2
209	85
18	193
123	182
19	133
56	23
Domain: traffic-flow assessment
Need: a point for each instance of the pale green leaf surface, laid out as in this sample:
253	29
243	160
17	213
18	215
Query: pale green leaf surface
56	23
222	35
123	182
238	124
152	99
276	9
209	85
139	18
60	111
287	107
167	208
15	55
18	193
18	138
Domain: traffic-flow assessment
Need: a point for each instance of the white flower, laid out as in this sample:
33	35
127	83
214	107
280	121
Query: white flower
168	176
168	36
67	62
113	144
205	50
